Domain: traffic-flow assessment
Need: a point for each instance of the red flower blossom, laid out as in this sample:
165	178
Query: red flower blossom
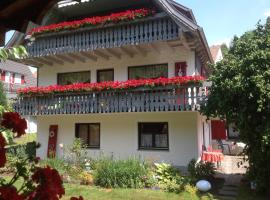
76	198
13	121
50	185
110	85
9	192
2	151
93	21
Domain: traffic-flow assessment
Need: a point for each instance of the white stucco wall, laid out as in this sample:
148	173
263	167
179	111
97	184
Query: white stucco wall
119	134
48	74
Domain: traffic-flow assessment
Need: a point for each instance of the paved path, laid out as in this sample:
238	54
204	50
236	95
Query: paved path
232	173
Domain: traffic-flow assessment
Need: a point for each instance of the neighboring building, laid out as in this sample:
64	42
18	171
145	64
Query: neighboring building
161	124
216	53
16	76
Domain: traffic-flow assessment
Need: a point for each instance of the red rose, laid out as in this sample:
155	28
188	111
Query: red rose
13	121
49	184
9	192
2	151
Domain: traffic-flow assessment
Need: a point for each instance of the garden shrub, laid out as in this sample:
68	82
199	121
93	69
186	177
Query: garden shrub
86	178
169	178
28	149
130	173
76	153
200	170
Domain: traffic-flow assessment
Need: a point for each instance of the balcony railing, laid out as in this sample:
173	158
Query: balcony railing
161	99
157	28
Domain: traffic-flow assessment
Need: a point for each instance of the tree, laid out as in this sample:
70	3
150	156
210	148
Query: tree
3	98
240	93
224	48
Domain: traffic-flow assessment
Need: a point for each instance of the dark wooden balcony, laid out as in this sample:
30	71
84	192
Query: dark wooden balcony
159	99
157	28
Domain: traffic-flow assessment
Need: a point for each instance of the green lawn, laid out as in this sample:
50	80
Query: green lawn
96	193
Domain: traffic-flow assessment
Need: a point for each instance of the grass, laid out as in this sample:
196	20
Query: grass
29	137
97	193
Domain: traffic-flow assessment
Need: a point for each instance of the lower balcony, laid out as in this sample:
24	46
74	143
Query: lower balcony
158	99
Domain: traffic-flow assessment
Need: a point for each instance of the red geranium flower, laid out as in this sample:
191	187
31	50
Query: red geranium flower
13	121
111	85
2	151
9	192
93	21
50	185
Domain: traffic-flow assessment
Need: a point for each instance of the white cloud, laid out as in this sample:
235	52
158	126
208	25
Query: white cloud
267	13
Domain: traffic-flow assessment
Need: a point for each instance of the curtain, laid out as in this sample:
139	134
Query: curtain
83	133
149	71
74	77
94	135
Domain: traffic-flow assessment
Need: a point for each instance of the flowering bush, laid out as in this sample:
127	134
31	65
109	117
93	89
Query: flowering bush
110	85
38	183
127	15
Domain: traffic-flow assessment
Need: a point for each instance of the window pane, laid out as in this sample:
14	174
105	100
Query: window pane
149	71
83	133
94	135
146	140
161	140
153	135
105	75
74	77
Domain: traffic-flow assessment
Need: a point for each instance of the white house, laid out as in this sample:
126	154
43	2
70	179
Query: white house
124	43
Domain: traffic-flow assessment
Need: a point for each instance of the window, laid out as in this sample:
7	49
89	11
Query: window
148	71
89	134
153	136
180	69
73	77
105	75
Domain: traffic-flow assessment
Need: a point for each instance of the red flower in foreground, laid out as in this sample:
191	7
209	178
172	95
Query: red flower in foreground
9	193
2	151
13	121
111	85
50	185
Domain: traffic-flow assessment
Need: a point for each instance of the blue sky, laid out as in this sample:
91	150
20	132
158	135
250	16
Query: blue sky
222	19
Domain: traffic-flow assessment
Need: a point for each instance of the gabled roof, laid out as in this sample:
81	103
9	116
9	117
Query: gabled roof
184	20
182	16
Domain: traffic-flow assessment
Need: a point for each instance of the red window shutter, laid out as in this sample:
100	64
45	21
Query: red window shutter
218	130
3	75
22	79
180	69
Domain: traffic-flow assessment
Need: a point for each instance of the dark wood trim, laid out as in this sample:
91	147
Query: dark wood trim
88	130
72	72
104	70
137	66
153	138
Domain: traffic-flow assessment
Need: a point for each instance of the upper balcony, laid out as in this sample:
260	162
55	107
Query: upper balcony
140	31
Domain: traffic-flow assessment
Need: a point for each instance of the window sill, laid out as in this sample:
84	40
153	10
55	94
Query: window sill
153	149
94	148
